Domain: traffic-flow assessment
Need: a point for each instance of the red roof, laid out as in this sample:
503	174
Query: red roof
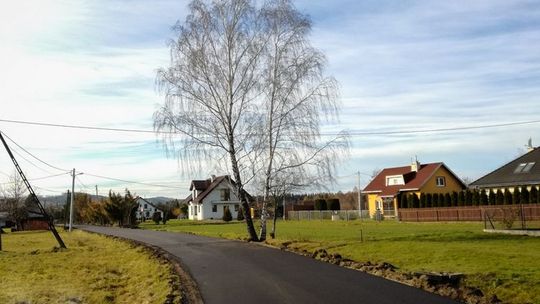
413	180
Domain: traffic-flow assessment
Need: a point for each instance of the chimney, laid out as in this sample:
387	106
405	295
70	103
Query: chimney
529	145
415	165
213	177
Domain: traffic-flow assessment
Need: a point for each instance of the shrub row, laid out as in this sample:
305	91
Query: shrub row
470	198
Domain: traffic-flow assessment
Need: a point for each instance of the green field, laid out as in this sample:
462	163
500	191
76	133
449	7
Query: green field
94	269
508	266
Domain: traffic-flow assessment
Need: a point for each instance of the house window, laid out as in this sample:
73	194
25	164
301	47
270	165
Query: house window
392	180
441	181
214	208
225	194
524	167
145	206
236	207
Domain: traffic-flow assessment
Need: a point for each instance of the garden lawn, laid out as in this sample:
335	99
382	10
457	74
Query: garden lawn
508	266
94	269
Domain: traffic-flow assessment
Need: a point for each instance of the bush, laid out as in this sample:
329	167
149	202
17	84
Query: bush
240	214
320	204
333	204
227	216
156	217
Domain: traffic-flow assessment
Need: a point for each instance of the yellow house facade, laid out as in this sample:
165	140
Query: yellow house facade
383	191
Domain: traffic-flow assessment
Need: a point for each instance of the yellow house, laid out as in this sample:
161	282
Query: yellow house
384	189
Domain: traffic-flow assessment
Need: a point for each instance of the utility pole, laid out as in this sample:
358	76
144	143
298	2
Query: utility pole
71	202
97	193
33	195
72	199
359	196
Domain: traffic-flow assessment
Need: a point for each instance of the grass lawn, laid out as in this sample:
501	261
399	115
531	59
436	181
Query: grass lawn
508	266
94	269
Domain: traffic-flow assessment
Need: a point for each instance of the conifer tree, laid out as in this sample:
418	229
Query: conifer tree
500	197
461	198
447	200
524	195
475	198
422	200
468	198
415	201
435	200
483	198
429	200
533	195
507	197
516	196
455	199
492	197
441	200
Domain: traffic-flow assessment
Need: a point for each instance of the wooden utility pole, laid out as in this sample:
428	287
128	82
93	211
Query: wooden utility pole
33	195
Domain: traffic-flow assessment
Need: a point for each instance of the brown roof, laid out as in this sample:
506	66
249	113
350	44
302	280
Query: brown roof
206	186
413	180
210	185
509	176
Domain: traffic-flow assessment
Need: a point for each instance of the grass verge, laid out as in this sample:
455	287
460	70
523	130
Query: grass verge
502	265
94	269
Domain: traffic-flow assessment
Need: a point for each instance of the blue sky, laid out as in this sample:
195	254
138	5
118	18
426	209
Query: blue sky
402	65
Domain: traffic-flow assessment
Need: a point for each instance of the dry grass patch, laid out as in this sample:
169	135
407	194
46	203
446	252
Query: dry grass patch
94	269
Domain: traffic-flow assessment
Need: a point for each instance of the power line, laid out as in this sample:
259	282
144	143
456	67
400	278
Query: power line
352	132
130	182
42	161
37	178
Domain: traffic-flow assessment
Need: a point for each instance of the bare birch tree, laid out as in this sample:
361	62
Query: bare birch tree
246	86
211	88
296	94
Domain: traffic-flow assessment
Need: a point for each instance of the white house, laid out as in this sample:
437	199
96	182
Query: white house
145	209
209	198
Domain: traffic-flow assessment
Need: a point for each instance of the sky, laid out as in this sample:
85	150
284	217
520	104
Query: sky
401	66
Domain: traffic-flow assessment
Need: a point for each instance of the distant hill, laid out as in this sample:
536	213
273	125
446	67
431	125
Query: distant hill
61	199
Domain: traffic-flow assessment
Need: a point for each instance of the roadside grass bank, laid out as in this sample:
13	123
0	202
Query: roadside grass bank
502	265
94	269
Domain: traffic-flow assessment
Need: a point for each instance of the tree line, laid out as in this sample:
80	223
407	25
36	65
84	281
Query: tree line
471	197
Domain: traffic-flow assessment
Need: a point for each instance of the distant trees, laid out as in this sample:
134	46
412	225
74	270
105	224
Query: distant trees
14	193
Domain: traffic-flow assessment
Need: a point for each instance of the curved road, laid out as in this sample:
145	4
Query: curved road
237	272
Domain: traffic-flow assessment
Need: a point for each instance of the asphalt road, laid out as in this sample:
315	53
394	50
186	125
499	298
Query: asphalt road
238	272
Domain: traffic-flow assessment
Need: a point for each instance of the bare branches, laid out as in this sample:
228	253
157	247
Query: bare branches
245	84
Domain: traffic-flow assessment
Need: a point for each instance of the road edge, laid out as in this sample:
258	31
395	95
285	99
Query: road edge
188	287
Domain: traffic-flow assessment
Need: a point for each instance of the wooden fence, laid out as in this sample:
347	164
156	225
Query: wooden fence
530	212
